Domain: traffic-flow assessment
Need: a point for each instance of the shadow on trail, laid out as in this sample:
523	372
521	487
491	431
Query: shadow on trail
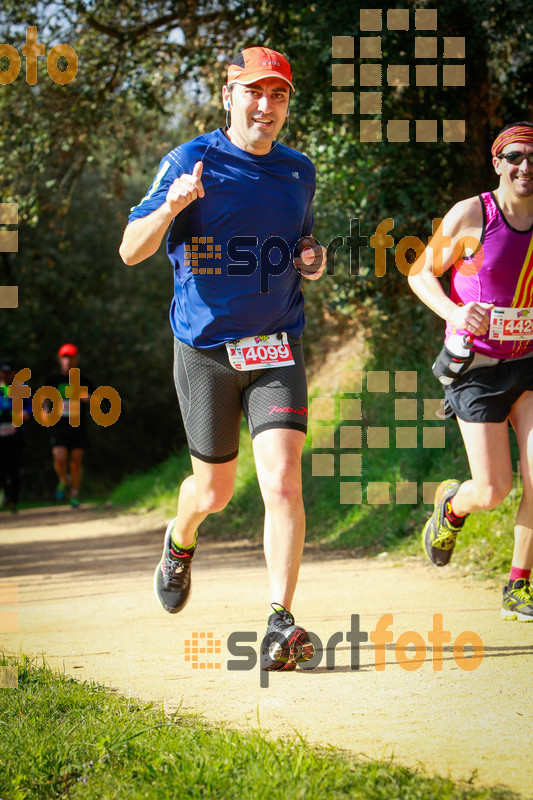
53	515
327	658
111	553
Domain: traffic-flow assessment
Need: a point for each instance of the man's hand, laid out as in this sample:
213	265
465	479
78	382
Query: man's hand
473	317
185	190
312	259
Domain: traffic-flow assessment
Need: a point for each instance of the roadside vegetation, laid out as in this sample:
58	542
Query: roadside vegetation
61	740
361	528
76	157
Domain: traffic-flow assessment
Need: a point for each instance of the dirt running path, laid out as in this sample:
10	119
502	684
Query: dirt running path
86	602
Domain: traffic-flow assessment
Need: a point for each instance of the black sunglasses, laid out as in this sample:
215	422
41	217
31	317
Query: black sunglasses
516	158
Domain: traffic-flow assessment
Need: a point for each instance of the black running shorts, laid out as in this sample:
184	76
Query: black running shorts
486	394
213	395
62	434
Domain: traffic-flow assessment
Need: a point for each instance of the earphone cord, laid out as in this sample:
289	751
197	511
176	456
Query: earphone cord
284	135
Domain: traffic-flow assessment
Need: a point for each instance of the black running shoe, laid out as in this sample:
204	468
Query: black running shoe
172	577
285	644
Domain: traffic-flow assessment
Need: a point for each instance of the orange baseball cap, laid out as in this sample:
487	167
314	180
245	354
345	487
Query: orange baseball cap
254	63
68	350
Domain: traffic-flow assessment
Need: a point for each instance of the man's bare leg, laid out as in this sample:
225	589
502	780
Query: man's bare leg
521	418
60	457
278	459
491	481
76	470
492	477
208	490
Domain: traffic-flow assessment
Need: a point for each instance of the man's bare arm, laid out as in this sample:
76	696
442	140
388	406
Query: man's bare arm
143	237
460	229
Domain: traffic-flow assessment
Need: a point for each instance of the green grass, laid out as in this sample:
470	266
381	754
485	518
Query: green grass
156	488
63	739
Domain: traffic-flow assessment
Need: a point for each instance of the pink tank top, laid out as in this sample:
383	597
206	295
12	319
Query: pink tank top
505	277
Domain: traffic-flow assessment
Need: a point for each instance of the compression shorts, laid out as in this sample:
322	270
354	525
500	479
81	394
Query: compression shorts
213	396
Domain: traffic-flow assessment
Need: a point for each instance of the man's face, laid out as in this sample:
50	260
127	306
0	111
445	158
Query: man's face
66	362
517	178
258	111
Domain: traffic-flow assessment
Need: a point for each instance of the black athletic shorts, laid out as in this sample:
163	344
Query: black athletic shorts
69	436
213	395
486	394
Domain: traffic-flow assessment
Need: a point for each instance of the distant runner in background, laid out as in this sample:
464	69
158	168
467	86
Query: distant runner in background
488	377
12	437
66	438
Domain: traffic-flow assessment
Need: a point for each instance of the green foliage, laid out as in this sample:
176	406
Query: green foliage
485	544
75	157
64	739
156	488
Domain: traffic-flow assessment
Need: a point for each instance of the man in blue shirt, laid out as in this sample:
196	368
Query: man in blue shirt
239	208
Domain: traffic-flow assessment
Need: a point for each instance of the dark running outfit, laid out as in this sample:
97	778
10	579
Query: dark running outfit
234	277
502	370
63	434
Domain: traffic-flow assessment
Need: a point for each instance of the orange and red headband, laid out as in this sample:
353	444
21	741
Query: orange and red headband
520	133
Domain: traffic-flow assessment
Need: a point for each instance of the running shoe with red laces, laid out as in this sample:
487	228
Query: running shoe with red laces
285	644
172	577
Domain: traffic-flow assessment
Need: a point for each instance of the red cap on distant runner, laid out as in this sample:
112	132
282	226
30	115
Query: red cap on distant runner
68	350
254	63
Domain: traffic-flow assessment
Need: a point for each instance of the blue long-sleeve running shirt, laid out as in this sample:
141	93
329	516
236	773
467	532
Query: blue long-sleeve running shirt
232	250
